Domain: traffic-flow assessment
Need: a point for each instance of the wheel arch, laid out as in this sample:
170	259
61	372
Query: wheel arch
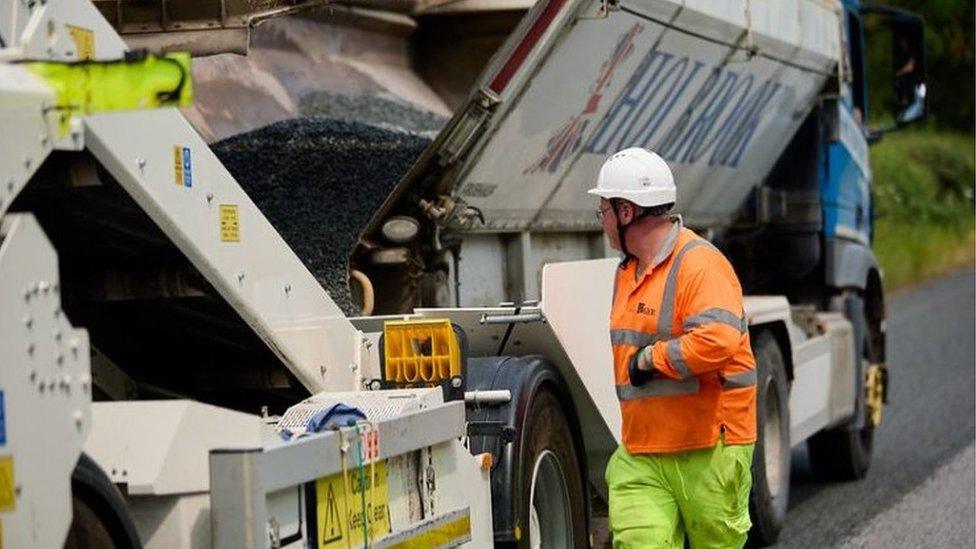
848	264
782	337
90	484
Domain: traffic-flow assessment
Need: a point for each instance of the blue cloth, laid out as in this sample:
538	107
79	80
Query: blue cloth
337	415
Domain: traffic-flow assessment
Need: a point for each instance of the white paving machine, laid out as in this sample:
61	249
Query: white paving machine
172	375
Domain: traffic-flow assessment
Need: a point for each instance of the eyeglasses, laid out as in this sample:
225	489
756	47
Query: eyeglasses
600	212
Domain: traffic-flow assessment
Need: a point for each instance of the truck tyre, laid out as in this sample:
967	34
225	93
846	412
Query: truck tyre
844	452
553	513
841	454
100	519
771	460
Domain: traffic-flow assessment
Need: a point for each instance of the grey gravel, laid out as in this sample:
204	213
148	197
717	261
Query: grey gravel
319	180
940	513
374	109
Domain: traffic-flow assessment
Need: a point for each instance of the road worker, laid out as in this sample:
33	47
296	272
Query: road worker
685	373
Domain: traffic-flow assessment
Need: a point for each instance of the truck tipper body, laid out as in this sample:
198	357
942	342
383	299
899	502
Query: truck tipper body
384	322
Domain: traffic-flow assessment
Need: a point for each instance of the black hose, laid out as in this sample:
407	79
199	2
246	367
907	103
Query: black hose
508	333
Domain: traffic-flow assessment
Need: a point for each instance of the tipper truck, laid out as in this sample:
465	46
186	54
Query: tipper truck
335	281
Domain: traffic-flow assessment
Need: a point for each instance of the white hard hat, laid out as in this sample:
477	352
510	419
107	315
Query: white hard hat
637	175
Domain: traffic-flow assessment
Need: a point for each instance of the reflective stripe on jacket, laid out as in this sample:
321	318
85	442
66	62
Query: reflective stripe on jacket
687	305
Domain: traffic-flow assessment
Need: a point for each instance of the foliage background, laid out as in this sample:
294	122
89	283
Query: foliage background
924	175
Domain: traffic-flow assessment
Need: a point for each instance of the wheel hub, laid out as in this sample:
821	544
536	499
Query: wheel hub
773	442
550	520
875	387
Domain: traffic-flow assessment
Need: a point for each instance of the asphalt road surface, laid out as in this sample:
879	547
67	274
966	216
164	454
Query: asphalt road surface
920	489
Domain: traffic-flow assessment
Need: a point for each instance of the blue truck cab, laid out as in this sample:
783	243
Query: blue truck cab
807	232
845	171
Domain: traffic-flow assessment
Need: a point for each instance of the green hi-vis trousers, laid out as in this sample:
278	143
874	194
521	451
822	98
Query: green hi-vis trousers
657	499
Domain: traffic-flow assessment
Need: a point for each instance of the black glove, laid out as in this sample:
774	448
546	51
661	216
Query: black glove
638	376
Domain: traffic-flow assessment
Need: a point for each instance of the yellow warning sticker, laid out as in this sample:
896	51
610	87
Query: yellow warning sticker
342	506
230	227
8	495
84	41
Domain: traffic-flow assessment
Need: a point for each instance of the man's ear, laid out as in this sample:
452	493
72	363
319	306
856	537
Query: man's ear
625	213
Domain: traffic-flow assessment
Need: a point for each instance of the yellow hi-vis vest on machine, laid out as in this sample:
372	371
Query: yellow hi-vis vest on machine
686	305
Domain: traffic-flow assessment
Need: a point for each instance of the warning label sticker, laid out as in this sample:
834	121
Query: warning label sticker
230	226
344	503
182	166
8	495
84	40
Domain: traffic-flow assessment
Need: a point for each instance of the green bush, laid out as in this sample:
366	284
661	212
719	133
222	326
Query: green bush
923	185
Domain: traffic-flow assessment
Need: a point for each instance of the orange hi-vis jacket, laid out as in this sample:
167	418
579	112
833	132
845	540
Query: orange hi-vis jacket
687	305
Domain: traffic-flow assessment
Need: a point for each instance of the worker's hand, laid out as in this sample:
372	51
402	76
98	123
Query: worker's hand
641	367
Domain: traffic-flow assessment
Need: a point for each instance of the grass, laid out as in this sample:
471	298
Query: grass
923	185
911	254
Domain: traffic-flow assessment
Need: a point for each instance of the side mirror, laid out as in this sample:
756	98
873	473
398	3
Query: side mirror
904	33
908	65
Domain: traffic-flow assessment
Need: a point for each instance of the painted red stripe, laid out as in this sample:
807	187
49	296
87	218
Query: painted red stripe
538	28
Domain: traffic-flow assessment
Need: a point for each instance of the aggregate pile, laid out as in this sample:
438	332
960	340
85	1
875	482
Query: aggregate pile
319	180
376	109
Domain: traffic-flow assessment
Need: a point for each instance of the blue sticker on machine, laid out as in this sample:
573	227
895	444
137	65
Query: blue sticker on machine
187	168
3	421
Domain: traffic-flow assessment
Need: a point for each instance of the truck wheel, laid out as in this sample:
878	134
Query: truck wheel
771	460
553	512
100	519
842	453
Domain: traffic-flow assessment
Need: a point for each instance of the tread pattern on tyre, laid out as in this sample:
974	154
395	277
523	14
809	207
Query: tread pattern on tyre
768	513
547	427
